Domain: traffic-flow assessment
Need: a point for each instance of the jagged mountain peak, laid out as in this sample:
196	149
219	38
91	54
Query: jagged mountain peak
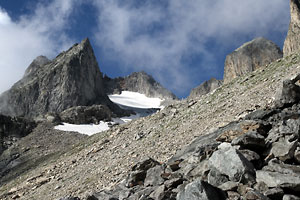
205	88
73	78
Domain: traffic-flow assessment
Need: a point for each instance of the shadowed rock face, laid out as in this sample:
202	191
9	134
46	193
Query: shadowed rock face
249	57
139	82
205	88
292	41
73	78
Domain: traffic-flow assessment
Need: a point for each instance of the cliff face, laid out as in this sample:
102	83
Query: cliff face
292	41
73	78
205	88
139	82
249	57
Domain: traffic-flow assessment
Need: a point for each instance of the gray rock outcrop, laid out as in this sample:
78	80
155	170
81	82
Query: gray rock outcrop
205	88
13	128
249	57
292	41
139	82
73	78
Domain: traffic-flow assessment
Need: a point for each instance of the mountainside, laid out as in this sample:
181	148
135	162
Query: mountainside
241	141
72	79
292	41
249	57
139	82
104	159
205	88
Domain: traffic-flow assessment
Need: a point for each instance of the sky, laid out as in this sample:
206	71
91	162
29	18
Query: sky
180	43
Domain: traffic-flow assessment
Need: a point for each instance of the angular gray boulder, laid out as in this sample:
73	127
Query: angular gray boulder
73	78
205	88
232	163
200	190
292	41
280	175
249	57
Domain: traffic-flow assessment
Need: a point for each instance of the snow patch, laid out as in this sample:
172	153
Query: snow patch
135	99
87	129
137	102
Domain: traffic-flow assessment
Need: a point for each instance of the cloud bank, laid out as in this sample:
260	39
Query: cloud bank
41	33
161	37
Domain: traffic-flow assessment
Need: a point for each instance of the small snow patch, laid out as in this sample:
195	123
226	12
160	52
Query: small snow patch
87	129
135	99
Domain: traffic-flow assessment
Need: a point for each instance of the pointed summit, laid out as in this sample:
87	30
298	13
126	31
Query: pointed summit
73	78
292	41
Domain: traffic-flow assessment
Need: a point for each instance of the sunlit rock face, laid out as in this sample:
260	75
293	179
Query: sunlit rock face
73	78
249	57
292	41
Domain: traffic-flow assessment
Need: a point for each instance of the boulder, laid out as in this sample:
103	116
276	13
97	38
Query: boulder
153	176
250	140
139	172
284	149
280	175
232	163
200	190
205	88
292	41
288	94
86	114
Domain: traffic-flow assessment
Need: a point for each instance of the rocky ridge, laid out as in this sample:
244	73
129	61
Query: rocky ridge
139	82
249	57
72	79
104	159
205	88
291	43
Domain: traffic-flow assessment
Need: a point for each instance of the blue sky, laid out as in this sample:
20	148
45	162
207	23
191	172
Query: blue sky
180	43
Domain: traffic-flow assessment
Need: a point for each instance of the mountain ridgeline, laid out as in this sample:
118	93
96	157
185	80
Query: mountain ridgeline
249	57
72	79
139	82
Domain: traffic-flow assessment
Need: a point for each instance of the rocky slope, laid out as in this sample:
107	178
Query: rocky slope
104	159
139	82
72	79
205	88
13	128
249	57
291	43
257	157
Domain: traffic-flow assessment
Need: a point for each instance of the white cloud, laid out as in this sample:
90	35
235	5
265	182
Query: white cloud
4	18
123	29
40	33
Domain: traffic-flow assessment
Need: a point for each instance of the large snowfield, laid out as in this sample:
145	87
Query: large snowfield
137	102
